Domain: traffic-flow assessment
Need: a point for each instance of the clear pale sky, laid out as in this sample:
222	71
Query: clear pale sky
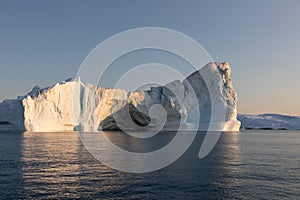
43	42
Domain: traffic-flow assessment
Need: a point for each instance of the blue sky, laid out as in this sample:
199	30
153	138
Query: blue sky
43	42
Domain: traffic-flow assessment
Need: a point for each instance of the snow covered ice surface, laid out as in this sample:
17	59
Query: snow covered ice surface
73	105
269	121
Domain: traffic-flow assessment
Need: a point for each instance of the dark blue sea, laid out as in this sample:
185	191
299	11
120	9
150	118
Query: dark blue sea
244	165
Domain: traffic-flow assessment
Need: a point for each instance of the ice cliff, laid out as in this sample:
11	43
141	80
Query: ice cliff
73	105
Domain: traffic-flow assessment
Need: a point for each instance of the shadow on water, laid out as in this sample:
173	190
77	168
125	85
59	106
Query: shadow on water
57	165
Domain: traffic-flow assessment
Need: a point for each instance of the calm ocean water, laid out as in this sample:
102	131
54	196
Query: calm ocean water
244	165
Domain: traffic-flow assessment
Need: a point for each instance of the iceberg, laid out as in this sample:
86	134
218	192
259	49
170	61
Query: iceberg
269	122
74	105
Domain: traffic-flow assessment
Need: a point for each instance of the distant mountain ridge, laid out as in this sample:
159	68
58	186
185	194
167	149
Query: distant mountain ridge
269	121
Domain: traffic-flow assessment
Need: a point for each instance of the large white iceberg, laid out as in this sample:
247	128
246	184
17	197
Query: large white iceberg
73	105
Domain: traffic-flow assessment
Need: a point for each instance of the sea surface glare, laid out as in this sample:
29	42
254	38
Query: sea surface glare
244	165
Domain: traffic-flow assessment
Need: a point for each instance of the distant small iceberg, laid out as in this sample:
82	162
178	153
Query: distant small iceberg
269	122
